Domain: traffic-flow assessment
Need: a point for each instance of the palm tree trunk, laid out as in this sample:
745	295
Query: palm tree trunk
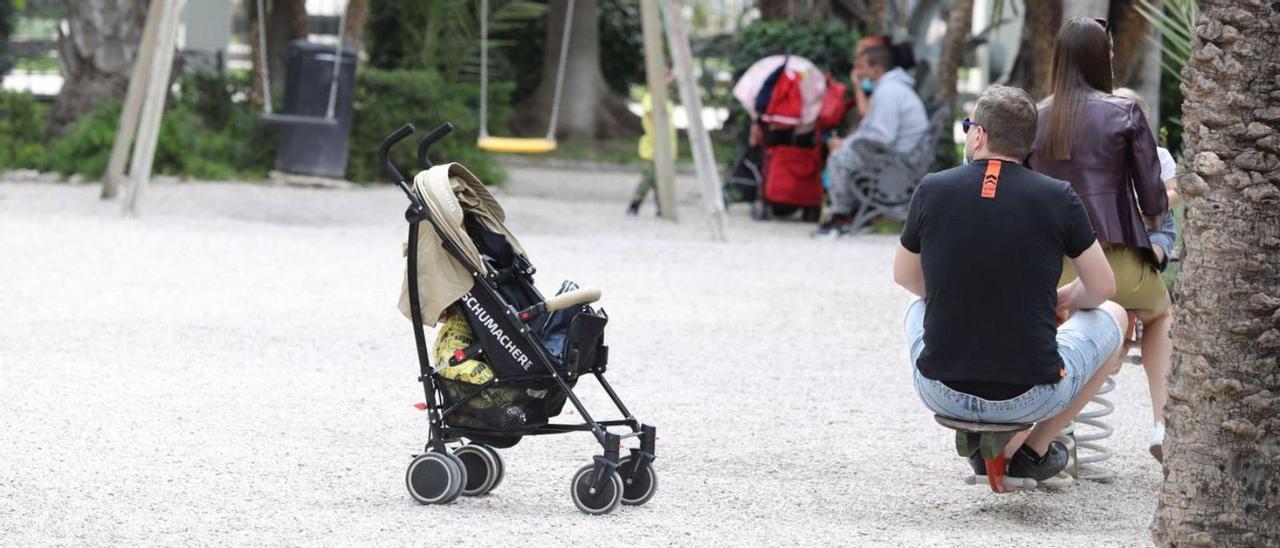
959	22
96	54
1128	31
1045	18
1222	453
1031	69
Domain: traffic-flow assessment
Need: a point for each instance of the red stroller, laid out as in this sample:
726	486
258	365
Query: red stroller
793	104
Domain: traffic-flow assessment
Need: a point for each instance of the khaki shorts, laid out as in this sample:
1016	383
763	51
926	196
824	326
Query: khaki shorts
1138	283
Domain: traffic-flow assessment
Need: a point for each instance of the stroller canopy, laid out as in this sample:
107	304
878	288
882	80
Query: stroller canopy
455	197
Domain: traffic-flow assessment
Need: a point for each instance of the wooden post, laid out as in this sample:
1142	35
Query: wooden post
656	74
703	157
133	102
144	151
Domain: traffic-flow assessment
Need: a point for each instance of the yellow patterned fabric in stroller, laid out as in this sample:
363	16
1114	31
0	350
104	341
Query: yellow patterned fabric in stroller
492	408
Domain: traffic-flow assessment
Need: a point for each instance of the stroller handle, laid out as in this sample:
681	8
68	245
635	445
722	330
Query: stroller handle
431	138
571	298
384	156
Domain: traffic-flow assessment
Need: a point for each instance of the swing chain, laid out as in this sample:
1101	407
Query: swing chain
262	57
337	64
266	68
564	55
484	70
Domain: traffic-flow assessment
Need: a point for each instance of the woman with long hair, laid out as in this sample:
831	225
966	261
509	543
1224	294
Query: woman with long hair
1101	144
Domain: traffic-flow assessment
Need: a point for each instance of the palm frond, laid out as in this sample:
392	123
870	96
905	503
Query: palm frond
1176	22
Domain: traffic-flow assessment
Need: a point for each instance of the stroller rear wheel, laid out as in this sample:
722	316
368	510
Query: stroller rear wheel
638	485
811	214
783	210
433	478
482	468
502	467
595	501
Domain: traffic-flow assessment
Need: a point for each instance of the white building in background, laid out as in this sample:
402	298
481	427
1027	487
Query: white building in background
203	40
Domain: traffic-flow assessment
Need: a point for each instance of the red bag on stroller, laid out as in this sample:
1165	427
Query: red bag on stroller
793	175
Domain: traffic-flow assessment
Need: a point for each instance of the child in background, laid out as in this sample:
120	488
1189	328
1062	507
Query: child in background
645	148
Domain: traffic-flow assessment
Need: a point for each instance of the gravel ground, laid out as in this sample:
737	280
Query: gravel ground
230	368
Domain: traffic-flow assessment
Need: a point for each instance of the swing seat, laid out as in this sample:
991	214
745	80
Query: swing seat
297	120
516	145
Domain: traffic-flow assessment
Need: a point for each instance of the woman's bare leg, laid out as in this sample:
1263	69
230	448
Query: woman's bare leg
1157	351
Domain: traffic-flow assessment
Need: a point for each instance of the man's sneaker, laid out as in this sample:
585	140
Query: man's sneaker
1157	442
837	226
633	209
1027	464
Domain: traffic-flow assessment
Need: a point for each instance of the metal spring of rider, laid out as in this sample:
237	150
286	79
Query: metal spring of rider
1090	434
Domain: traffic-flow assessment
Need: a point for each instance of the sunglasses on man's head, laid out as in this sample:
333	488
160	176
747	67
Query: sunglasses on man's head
966	123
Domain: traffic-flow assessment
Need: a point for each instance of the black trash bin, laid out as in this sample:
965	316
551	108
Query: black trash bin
312	148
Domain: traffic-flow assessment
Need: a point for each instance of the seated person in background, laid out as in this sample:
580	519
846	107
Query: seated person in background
895	120
983	247
901	55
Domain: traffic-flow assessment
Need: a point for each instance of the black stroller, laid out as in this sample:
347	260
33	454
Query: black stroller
512	326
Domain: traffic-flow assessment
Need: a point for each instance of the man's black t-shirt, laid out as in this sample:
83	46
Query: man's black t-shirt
992	235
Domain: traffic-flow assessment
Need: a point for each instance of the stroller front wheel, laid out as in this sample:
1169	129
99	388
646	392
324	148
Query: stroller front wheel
638	486
595	501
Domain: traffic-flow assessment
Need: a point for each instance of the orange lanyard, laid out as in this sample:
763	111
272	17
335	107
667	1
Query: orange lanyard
991	179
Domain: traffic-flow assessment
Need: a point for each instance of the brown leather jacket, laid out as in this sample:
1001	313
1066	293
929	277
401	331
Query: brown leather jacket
1113	168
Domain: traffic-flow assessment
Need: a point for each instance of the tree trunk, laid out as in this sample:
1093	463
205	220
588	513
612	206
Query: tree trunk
588	108
1032	69
853	13
959	23
357	16
1085	8
1046	18
287	21
1129	30
96	54
877	17
1137	59
1222	451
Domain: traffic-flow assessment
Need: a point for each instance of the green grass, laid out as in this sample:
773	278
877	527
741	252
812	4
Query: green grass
36	64
888	226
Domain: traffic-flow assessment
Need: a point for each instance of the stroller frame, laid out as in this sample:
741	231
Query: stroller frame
512	322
